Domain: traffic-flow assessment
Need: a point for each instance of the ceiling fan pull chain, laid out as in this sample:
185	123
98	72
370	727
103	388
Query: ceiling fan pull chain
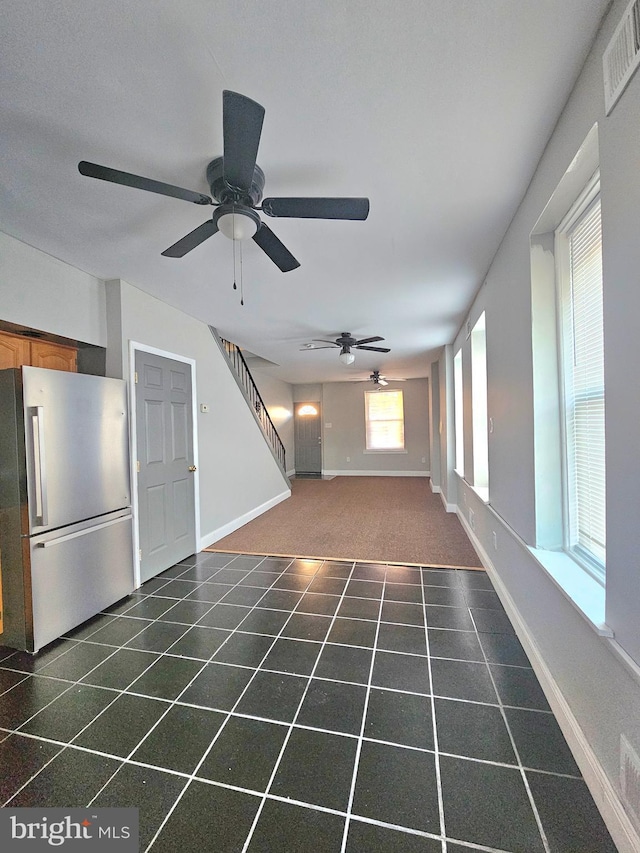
241	278
233	216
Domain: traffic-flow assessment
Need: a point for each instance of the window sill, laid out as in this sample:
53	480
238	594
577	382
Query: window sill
376	452
481	491
582	590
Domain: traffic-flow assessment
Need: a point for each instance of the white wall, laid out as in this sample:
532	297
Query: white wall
434	426
237	473
307	393
278	398
448	478
44	293
590	683
343	408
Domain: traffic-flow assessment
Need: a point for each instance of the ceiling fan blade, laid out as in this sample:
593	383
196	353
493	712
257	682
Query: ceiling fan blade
323	341
191	240
317	208
373	349
277	251
382	382
242	125
369	340
313	348
103	173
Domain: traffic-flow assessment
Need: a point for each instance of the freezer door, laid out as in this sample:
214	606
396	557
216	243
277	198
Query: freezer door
76	440
78	571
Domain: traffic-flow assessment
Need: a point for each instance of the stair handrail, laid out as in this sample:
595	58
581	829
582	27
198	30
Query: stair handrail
241	368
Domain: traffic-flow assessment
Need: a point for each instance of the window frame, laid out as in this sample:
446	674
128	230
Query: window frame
458	412
480	406
401	420
579	210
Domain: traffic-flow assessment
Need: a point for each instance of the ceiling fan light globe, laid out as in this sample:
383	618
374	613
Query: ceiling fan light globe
237	226
347	358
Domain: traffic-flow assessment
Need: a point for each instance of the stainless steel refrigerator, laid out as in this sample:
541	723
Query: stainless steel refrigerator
65	502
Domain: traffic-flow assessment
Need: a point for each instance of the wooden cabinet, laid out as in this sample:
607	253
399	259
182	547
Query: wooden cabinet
53	356
16	350
1	600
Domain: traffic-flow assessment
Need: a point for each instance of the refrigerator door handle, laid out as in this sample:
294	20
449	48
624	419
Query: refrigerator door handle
37	423
68	536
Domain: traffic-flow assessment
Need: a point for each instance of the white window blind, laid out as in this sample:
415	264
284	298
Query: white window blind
384	420
458	411
583	356
479	410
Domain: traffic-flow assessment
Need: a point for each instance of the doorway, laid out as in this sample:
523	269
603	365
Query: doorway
164	466
308	439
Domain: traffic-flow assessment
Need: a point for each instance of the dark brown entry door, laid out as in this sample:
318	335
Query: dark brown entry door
164	432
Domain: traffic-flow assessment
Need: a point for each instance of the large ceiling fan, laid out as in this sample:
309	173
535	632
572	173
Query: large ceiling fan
236	183
346	342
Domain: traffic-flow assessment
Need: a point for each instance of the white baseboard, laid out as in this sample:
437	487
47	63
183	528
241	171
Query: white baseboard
228	528
607	799
435	489
291	472
449	507
350	473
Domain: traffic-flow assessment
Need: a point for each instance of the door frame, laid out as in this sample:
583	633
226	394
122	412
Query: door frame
321	424
134	347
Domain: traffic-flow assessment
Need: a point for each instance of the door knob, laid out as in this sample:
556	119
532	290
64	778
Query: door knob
192	468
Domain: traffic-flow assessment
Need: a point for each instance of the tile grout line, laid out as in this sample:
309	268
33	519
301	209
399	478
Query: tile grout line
174	702
282	724
496	704
356	764
443	828
534	808
109	705
64	692
237	630
276	797
193	775
295	716
71	685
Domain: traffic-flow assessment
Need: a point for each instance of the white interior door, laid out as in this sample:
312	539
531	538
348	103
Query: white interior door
164	436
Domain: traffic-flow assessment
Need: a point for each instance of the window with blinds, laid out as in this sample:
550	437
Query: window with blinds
458	412
384	414
479	408
580	292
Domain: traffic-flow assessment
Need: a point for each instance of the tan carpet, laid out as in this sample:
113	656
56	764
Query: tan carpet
375	519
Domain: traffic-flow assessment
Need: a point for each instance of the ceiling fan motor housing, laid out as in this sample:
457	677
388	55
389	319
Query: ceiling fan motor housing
346	340
225	194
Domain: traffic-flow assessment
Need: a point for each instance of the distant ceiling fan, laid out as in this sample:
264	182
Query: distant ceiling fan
379	380
236	183
346	342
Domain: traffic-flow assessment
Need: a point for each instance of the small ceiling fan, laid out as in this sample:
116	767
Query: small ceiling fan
346	342
236	184
379	380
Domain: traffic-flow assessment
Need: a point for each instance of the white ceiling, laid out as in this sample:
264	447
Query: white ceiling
437	110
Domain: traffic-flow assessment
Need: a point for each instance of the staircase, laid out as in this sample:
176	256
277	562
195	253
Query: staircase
244	379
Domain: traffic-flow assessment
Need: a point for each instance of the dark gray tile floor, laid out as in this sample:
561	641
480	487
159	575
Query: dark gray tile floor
249	704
